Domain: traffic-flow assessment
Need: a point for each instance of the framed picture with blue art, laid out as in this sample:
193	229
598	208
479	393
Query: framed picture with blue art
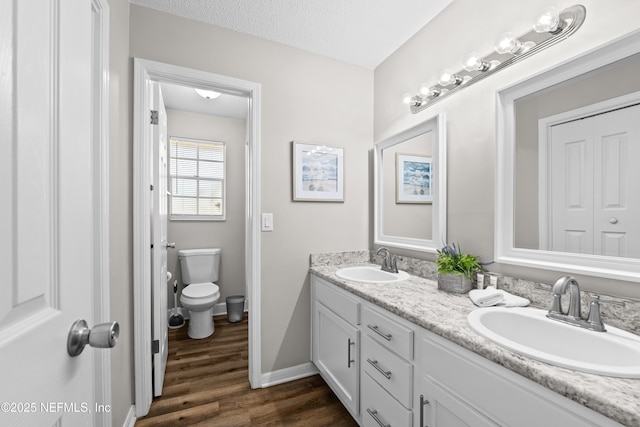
318	173
413	178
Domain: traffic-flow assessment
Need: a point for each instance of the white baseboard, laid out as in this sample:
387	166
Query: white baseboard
288	374
131	417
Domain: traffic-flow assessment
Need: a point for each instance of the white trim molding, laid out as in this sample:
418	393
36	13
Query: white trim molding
289	374
100	133
144	72
438	125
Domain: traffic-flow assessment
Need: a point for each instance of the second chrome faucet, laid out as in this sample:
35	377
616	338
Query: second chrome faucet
573	315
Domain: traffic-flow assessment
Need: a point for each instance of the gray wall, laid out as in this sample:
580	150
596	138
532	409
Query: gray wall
227	235
471	114
305	97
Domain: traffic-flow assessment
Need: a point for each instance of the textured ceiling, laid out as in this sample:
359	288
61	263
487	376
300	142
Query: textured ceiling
360	32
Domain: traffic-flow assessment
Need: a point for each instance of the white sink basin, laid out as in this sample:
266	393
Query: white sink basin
369	274
615	353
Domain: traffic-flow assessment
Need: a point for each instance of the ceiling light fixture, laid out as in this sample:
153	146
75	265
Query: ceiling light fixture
208	94
549	28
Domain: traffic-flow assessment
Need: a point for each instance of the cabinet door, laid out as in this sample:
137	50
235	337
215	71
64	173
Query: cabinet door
336	354
441	408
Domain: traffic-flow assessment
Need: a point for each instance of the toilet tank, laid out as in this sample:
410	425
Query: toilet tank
199	265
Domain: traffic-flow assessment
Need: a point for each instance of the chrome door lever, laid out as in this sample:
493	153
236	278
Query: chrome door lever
104	335
171	245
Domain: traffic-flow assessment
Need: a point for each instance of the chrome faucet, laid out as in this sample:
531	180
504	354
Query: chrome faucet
389	262
559	288
573	316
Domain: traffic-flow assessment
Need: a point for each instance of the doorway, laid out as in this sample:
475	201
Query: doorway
146	72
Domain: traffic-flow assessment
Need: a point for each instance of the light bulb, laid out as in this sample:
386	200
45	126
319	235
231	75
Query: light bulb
548	21
424	90
508	43
448	77
407	99
473	62
208	94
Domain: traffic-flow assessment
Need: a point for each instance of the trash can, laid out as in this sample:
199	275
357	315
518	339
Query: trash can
235	308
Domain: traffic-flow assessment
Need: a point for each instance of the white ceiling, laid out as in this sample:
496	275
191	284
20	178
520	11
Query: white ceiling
360	32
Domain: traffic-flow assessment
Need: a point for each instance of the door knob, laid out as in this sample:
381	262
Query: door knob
104	335
613	220
171	245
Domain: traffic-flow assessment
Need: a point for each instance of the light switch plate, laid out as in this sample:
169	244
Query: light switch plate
267	222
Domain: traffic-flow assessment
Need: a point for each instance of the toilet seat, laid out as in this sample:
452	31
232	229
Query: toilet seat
201	290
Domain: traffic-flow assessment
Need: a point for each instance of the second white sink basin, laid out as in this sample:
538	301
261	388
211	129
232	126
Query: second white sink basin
370	274
528	331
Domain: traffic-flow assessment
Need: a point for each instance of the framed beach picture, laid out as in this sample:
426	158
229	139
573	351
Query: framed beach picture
318	173
413	178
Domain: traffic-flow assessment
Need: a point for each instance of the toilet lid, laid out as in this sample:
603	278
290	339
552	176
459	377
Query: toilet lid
200	290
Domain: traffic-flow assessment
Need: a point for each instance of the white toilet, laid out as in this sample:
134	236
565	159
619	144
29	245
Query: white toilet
199	270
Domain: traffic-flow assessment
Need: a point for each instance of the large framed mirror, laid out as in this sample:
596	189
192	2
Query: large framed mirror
567	179
410	172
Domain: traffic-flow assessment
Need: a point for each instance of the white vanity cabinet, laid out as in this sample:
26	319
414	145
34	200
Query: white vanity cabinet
388	371
335	344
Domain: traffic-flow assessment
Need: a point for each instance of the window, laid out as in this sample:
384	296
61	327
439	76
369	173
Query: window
197	170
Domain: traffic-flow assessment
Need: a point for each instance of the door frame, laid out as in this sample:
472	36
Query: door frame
144	71
100	132
544	152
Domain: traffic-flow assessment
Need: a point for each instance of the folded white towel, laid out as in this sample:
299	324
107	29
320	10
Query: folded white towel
496	297
485	297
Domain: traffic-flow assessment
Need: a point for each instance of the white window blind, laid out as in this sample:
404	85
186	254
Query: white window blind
197	170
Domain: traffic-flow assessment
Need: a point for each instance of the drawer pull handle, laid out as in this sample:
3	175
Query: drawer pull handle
374	363
374	415
423	402
349	360
375	329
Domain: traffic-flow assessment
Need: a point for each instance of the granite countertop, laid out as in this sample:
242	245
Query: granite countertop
419	301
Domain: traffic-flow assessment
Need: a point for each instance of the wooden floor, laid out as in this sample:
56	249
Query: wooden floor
206	384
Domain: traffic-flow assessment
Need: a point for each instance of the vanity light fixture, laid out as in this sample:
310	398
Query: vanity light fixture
549	28
208	94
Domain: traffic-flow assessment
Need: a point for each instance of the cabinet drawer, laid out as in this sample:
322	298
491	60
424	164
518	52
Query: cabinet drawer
344	306
376	403
388	332
390	371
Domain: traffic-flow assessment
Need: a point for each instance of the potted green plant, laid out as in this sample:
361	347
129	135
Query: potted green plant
455	269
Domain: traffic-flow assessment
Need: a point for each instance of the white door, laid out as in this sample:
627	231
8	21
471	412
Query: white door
571	196
159	239
616	195
594	193
46	170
